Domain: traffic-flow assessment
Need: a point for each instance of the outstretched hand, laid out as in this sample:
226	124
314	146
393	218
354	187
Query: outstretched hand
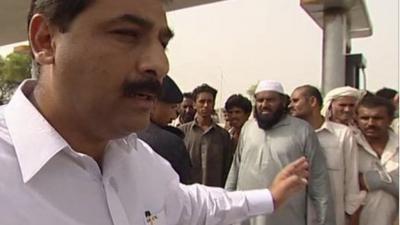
289	180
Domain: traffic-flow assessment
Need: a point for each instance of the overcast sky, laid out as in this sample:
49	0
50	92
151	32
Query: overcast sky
233	44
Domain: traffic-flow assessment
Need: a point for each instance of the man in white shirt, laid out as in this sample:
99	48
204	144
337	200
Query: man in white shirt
68	151
339	147
378	161
339	105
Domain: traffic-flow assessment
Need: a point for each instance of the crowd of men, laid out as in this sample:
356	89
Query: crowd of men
349	138
88	140
69	146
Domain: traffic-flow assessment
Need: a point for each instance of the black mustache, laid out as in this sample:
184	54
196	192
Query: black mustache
148	85
372	128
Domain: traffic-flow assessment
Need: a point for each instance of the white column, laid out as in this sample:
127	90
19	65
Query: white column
334	48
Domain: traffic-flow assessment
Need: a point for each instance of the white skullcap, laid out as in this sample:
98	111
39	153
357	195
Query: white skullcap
337	93
269	85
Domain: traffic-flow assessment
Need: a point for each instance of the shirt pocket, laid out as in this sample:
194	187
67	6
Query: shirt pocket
155	218
333	157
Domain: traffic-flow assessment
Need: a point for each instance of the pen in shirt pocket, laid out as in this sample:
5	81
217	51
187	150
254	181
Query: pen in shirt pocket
150	219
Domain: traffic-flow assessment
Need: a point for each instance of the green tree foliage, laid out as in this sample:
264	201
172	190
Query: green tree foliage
1	65
13	70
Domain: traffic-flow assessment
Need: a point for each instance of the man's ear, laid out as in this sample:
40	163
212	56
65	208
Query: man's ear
41	38
313	101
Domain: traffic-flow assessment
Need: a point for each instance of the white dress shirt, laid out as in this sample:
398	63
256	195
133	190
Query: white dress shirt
43	181
340	148
379	207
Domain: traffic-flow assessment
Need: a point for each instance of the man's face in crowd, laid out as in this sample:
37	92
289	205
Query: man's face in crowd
300	105
269	108
373	122
237	117
204	104
107	66
187	111
343	109
164	113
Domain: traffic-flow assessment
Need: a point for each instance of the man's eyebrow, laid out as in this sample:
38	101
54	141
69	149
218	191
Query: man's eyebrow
134	19
166	33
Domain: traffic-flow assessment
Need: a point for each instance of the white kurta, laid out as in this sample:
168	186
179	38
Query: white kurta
340	149
262	153
43	181
380	207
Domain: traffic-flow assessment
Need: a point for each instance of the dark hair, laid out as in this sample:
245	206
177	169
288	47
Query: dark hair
373	101
204	88
237	100
188	95
59	12
312	91
386	93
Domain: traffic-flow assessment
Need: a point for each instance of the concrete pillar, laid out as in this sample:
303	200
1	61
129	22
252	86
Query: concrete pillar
335	37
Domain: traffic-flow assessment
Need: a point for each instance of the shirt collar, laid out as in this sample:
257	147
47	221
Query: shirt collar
34	139
130	142
196	124
392	146
326	125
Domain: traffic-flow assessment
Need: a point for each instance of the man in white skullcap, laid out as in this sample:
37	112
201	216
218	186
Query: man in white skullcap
339	105
269	142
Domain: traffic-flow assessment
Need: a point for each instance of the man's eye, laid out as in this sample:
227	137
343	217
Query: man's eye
126	33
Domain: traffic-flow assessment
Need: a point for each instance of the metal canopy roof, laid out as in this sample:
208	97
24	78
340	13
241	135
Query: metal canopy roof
360	24
13	17
180	4
13	21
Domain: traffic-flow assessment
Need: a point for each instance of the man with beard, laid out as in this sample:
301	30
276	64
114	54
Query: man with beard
270	142
209	145
166	140
237	110
378	161
69	153
340	149
186	110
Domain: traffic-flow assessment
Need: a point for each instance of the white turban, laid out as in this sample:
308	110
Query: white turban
269	85
337	93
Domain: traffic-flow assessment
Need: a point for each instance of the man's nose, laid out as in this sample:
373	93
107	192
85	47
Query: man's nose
347	109
153	61
260	103
370	122
265	105
290	106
